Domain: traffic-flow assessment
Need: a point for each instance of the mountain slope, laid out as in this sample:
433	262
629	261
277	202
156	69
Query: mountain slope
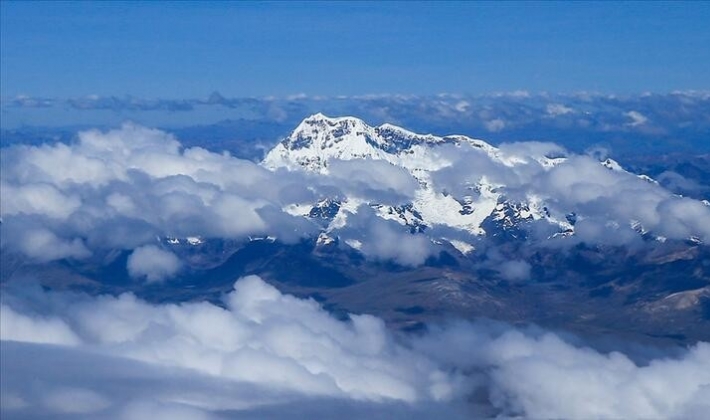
318	141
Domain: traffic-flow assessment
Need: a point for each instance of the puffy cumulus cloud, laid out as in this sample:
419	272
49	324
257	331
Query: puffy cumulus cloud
611	204
537	374
153	263
514	166
97	158
581	180
38	198
124	187
611	198
269	355
136	390
377	180
261	337
385	240
18	327
44	245
469	166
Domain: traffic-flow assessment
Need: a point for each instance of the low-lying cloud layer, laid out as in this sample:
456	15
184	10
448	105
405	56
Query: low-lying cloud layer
614	205
268	355
123	188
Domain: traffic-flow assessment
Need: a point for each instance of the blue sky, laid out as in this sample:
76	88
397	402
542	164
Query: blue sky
184	50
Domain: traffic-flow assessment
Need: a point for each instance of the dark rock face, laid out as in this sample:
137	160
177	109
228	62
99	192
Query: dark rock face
326	209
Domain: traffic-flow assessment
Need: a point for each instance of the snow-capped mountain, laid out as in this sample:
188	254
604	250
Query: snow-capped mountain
320	140
479	201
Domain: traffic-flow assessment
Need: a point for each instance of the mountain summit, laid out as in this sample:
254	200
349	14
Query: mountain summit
467	187
319	139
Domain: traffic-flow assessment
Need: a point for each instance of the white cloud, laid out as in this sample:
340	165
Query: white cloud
385	240
43	245
376	180
123	188
535	374
37	199
462	106
266	352
18	327
610	199
263	337
237	216
556	110
637	118
494	125
581	383
153	263
606	200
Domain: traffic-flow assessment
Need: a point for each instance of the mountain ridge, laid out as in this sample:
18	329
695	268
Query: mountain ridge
319	140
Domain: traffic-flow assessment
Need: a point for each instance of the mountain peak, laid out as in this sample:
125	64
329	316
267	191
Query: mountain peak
319	117
319	139
479	206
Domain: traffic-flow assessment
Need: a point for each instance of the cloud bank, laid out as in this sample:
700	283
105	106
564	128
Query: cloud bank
614	205
132	188
124	188
265	354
